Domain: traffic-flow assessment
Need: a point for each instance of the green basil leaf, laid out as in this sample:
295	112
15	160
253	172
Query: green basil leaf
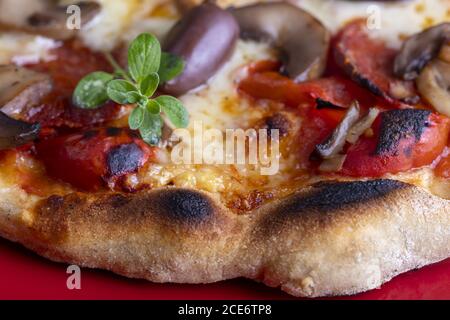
136	118
171	66
118	91
143	101
153	107
151	128
174	110
133	97
149	84
144	56
90	92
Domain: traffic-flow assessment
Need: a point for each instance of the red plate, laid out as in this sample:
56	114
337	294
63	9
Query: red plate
24	275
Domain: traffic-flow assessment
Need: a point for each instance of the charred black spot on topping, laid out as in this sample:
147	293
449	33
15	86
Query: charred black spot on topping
124	159
40	20
134	134
329	196
90	134
322	104
277	122
408	151
368	84
183	205
400	124
113	132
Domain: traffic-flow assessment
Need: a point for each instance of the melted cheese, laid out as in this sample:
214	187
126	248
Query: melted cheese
23	49
397	20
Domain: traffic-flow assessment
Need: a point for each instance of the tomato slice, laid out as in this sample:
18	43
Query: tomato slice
91	159
364	159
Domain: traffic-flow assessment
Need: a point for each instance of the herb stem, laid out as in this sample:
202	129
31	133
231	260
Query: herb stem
117	68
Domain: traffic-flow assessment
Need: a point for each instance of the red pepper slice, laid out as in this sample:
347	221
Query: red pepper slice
264	82
91	159
367	158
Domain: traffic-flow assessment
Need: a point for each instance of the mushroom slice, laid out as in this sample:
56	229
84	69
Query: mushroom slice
21	89
362	125
332	146
44	17
14	133
302	39
334	164
420	49
444	55
434	85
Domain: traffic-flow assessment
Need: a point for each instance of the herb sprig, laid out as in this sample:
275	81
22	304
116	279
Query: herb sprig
148	67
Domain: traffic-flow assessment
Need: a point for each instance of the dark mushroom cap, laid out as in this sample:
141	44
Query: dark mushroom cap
21	89
333	145
433	84
302	39
420	49
14	133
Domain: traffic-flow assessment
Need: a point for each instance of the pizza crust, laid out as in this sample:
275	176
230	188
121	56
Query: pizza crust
328	239
332	238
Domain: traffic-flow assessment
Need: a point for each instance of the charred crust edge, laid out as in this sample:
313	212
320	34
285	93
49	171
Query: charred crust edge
174	208
182	205
331	196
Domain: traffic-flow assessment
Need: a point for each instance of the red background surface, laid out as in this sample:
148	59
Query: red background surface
24	275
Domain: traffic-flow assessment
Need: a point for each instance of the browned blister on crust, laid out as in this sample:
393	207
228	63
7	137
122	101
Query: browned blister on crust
345	238
328	239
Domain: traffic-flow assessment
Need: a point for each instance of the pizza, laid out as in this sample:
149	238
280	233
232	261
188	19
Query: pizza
302	144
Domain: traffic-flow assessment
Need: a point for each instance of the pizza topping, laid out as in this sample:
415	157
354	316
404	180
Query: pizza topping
264	82
334	144
278	121
402	140
205	38
21	89
136	86
444	54
362	125
397	125
124	159
14	133
71	62
370	63
303	40
419	50
45	17
89	160
333	164
434	85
